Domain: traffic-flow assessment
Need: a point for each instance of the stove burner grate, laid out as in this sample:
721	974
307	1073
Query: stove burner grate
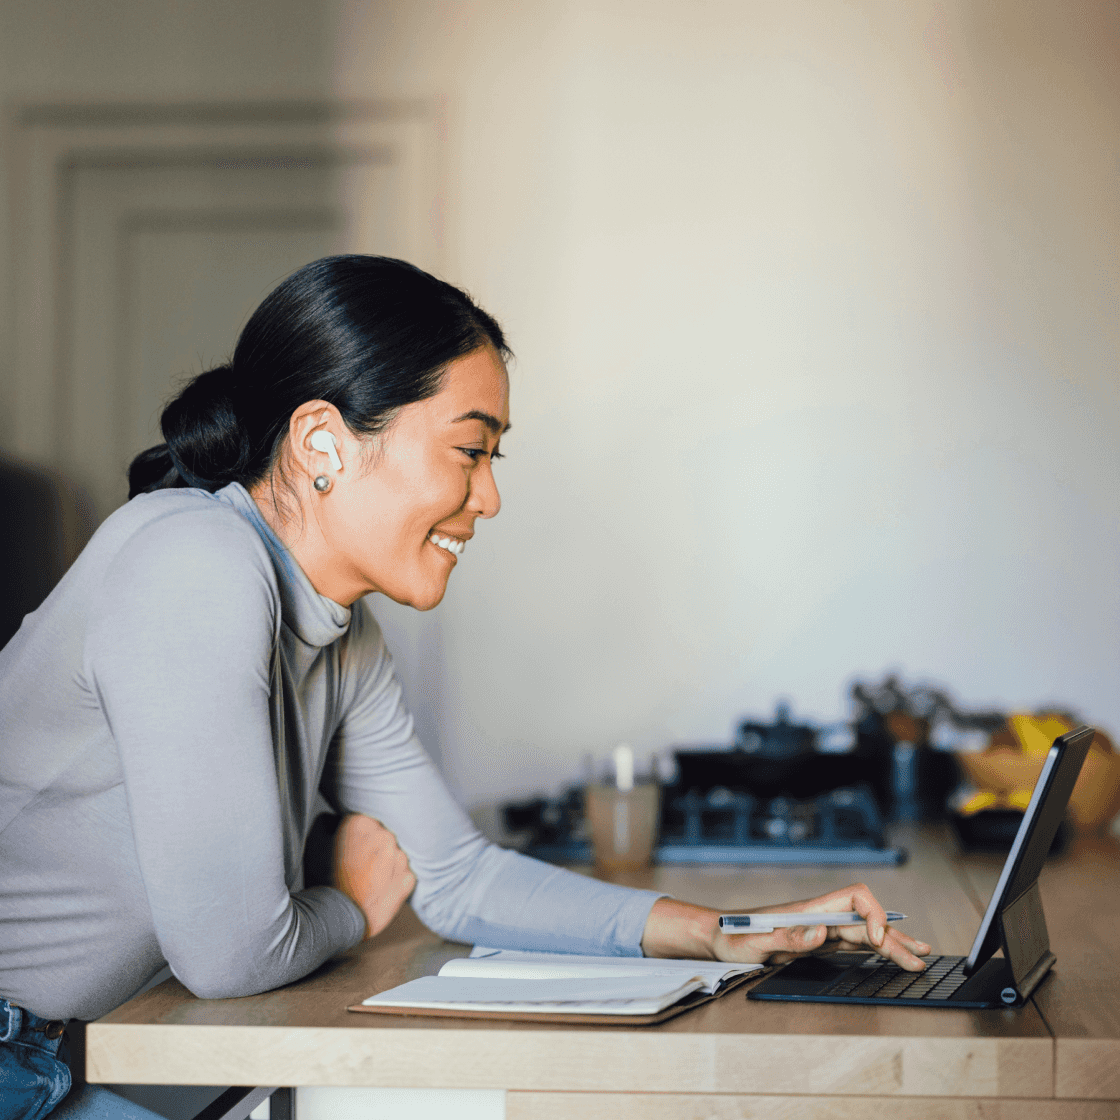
725	826
732	827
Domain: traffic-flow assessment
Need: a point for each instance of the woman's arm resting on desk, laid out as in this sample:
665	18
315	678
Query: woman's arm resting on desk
679	929
178	654
466	889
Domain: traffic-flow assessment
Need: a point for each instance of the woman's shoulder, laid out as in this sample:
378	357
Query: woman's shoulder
191	519
183	537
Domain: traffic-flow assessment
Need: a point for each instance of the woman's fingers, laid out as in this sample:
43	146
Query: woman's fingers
902	952
782	944
897	946
866	905
857	897
786	944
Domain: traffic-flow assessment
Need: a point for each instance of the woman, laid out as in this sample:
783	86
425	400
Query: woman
208	665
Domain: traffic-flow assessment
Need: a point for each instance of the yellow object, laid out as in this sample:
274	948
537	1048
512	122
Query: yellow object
1036	734
1005	775
982	799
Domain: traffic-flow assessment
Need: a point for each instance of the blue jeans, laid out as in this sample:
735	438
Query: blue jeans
35	1081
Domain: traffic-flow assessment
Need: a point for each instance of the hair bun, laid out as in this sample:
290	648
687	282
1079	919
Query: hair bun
206	442
152	470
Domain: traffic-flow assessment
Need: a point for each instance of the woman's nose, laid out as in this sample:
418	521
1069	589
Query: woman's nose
484	499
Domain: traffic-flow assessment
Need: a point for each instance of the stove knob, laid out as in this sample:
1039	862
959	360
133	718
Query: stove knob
775	828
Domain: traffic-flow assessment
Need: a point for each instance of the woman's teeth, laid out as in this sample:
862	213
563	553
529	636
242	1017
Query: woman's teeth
448	543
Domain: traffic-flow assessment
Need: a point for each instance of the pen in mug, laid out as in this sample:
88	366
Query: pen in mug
767	923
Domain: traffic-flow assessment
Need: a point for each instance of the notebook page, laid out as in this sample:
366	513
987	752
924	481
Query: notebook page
521	964
628	995
533	970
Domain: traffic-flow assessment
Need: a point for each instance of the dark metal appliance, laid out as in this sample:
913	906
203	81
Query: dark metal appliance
722	825
773	798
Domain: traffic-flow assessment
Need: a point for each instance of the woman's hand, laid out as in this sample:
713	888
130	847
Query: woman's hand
371	870
678	929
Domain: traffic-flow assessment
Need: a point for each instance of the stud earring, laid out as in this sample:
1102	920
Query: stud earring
322	483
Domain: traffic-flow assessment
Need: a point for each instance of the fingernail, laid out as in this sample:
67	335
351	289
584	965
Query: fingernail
877	934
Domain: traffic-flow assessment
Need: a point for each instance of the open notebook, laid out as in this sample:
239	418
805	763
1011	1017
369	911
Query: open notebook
561	987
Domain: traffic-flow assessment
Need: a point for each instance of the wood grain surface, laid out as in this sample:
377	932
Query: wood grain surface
734	1106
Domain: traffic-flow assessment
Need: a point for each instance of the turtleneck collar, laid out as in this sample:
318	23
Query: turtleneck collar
313	618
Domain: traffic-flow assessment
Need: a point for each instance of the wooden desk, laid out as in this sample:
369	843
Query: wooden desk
1058	1057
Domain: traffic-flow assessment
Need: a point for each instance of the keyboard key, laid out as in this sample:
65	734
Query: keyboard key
947	987
865	991
896	987
872	983
941	993
919	988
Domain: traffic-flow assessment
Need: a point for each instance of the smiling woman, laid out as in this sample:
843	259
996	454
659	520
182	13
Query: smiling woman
208	667
428	477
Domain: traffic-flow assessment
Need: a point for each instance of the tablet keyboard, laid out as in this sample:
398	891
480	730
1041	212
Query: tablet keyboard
882	979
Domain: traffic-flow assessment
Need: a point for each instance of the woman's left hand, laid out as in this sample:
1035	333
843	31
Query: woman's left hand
371	870
678	929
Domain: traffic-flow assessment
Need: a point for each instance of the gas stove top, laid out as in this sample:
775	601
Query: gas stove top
723	826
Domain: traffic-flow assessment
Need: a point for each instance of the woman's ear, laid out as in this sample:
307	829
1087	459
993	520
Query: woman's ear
315	434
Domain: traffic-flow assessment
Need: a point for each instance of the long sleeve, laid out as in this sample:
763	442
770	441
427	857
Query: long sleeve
467	889
179	656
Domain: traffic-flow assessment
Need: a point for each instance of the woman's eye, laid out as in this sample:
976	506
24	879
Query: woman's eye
476	453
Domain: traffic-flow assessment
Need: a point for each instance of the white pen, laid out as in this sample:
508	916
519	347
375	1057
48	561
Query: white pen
767	923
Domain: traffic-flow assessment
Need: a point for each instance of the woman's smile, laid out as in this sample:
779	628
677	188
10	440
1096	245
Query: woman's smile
452	546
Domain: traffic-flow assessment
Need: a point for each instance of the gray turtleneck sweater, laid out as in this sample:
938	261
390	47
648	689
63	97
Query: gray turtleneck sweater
166	718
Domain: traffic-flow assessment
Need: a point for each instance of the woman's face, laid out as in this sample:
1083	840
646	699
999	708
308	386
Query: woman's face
427	479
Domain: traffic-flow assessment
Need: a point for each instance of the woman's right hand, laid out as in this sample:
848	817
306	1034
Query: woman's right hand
678	929
371	870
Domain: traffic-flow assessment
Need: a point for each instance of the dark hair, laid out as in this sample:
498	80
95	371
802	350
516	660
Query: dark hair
366	334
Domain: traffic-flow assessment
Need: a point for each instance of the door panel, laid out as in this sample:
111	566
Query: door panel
150	238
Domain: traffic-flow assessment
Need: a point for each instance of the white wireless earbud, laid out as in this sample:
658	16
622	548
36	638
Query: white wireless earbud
325	442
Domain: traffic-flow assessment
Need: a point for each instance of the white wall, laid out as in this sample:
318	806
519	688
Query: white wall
815	306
